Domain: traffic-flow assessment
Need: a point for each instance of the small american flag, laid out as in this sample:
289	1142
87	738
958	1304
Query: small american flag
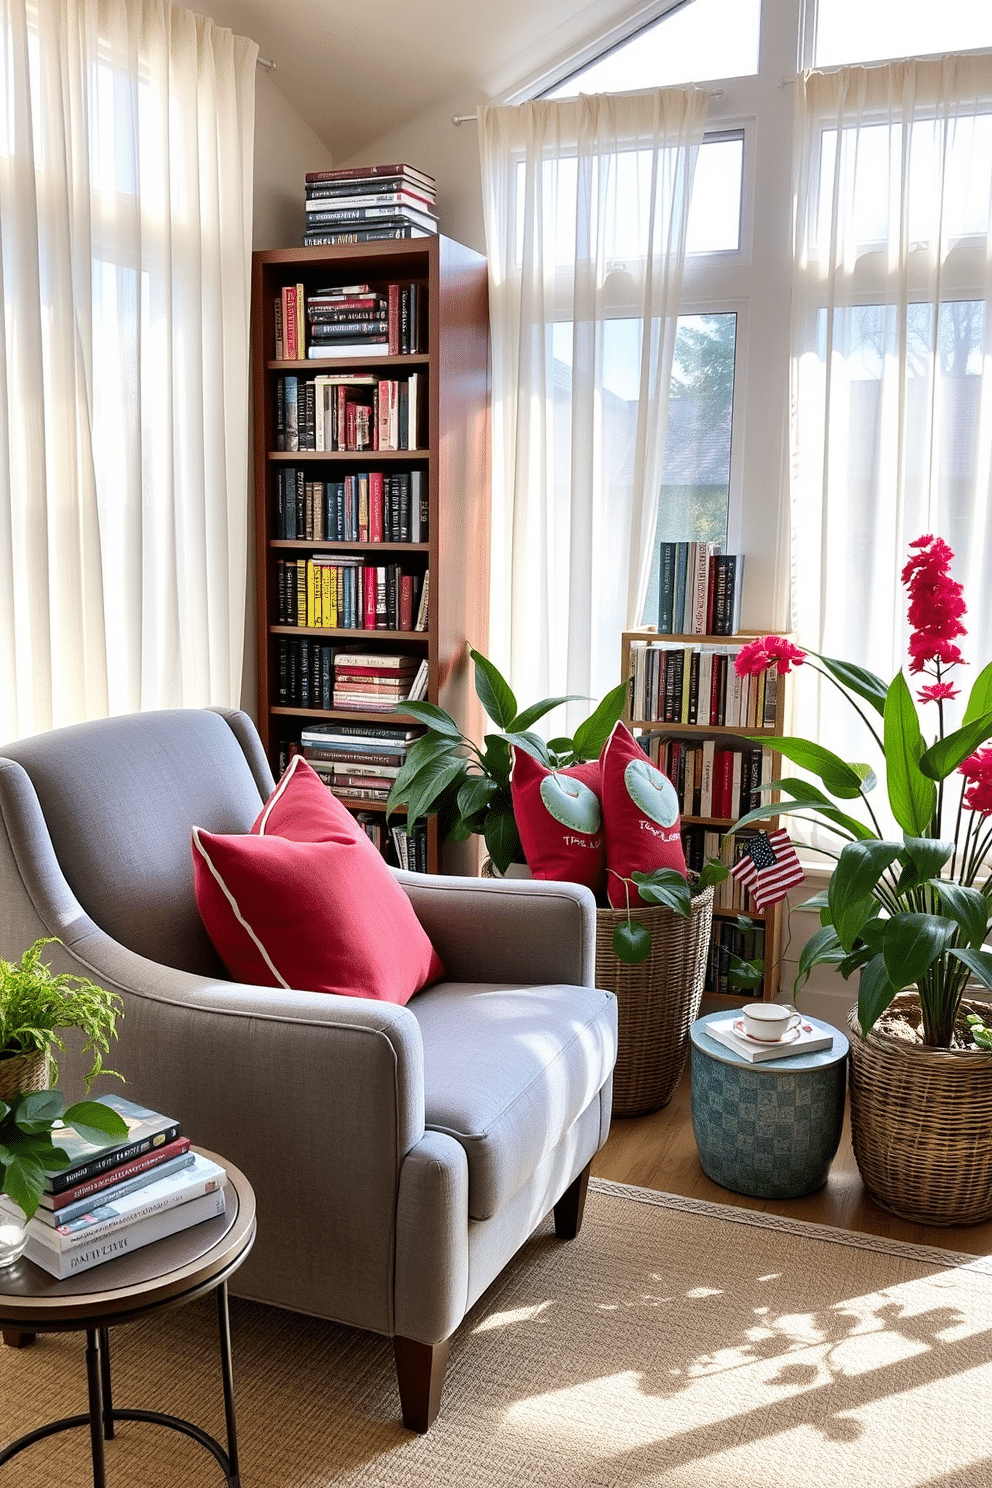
768	867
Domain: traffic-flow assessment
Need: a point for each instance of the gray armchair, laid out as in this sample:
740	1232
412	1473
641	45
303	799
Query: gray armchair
399	1155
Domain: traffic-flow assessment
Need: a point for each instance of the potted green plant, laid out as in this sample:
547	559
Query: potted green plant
467	784
910	912
36	1006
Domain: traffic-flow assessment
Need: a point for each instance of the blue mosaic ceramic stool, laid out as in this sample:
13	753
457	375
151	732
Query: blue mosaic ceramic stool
769	1130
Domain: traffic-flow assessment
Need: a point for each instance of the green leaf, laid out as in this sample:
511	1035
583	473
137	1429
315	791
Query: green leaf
980	700
927	855
435	718
591	735
784	808
815	904
874	994
912	944
95	1121
912	795
429	784
503	839
36	1111
530	715
667	887
532	744
496	759
852	884
422	752
494	691
946	754
979	963
858	680
631	942
823	945
712	872
476	794
840	778
24	1180
967	907
746	974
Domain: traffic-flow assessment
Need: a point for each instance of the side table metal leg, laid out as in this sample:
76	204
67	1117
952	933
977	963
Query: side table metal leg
227	1371
93	1367
105	1388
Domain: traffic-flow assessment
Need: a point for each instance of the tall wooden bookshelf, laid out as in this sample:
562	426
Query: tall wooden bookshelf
728	736
453	457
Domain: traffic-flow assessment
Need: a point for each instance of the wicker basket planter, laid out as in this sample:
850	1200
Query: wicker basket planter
658	1000
23	1072
921	1126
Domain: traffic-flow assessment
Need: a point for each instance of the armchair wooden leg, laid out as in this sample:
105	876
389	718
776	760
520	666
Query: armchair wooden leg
420	1372
13	1339
570	1207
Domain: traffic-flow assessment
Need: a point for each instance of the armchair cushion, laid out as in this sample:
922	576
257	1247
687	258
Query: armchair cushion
304	900
507	1071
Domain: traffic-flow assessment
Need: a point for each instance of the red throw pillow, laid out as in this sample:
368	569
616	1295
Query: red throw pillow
304	900
640	816
560	820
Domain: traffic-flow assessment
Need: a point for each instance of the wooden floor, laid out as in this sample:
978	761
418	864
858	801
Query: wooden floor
659	1151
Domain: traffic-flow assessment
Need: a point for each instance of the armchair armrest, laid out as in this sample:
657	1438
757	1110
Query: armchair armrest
507	930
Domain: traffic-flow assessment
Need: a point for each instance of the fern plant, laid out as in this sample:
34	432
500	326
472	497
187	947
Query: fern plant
35	1004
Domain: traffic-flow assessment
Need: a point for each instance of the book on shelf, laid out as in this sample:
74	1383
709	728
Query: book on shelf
370	173
699	589
422	610
808	1040
55	1208
315	239
105	1215
128	1238
147	1131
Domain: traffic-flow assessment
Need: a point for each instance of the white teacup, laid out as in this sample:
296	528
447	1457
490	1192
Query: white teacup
769	1021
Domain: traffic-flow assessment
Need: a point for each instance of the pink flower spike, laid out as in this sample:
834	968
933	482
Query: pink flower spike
977	768
937	693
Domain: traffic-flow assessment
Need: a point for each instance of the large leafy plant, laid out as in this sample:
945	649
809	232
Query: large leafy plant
35	1005
915	911
467	784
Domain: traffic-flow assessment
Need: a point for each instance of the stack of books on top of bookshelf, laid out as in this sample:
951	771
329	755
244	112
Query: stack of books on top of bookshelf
116	1197
369	202
699	589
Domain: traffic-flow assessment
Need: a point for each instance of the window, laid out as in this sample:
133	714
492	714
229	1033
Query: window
856	31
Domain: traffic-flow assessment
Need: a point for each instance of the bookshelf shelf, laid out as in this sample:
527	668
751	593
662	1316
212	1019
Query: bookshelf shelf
686	748
452	458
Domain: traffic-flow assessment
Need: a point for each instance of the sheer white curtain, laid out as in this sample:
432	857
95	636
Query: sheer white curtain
586	202
126	148
892	359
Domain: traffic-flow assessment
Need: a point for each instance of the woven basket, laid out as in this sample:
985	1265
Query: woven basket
921	1126
658	1000
23	1072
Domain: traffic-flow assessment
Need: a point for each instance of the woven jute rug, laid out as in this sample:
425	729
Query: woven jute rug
674	1342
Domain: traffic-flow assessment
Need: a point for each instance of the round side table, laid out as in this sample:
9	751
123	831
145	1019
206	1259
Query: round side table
166	1273
769	1130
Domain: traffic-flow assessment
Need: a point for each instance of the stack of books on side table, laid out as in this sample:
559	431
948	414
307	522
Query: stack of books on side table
115	1198
803	1039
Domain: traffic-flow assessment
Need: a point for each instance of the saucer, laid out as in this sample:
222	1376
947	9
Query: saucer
789	1037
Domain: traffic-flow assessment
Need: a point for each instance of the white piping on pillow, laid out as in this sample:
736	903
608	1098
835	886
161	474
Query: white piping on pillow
198	845
277	793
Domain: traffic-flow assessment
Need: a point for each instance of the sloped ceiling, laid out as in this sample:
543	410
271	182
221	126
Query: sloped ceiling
355	70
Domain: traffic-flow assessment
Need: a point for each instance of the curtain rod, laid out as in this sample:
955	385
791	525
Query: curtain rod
474	118
264	62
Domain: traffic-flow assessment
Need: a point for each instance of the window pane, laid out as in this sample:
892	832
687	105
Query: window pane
702	40
870	30
695	478
715	205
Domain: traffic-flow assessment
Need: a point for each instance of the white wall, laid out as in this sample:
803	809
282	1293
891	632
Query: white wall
285	149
